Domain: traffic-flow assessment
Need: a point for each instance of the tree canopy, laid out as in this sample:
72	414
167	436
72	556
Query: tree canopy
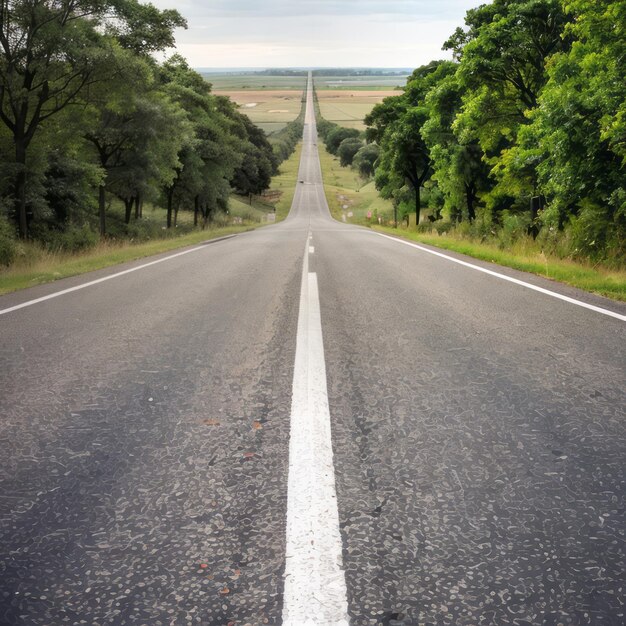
87	115
527	120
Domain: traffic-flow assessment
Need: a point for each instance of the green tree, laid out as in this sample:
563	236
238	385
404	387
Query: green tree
578	132
365	160
458	166
397	125
52	51
213	151
503	54
347	150
337	135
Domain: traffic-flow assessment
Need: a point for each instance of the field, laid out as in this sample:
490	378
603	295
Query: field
367	83
271	102
223	81
349	107
271	110
237	82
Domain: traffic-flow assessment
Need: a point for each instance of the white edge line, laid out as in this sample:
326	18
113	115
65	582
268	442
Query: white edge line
56	294
510	279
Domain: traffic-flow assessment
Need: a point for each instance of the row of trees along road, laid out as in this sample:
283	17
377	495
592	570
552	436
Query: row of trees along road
525	128
87	114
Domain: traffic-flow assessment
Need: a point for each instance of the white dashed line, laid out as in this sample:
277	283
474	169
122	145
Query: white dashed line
510	279
311	249
315	586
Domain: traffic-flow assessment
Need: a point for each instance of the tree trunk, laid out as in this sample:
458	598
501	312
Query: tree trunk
20	187
418	204
470	198
170	197
176	216
137	205
128	206
101	210
196	209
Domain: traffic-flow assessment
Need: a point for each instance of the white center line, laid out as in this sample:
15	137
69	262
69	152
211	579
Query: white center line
315	586
510	279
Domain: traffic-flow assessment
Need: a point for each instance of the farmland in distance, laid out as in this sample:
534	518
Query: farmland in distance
271	102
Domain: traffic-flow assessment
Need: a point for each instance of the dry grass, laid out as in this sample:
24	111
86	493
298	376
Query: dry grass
271	110
349	107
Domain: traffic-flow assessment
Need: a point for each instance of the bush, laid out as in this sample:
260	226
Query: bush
73	239
514	227
365	159
337	135
347	149
8	242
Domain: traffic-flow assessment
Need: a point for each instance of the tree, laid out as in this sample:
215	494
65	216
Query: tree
337	135
214	149
365	160
502	69
347	150
577	135
52	52
397	125
458	166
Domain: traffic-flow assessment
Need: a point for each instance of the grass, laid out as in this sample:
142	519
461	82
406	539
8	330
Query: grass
527	257
50	266
350	198
344	188
37	266
286	181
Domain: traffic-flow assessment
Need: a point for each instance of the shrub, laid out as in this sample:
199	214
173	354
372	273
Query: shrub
8	242
73	239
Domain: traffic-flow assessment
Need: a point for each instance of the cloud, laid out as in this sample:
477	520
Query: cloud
285	33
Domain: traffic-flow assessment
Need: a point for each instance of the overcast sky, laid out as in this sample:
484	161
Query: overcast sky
311	33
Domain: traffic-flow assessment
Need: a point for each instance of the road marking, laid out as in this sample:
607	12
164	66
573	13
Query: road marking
315	586
311	249
510	279
56	294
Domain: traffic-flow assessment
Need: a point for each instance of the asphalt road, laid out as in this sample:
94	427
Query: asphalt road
477	426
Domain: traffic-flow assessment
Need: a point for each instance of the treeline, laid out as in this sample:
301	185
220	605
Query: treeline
524	130
362	71
89	119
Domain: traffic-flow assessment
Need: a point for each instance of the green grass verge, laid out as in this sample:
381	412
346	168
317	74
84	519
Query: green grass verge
349	197
598	280
38	266
286	181
344	189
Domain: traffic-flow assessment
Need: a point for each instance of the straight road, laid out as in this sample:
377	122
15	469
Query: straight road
478	438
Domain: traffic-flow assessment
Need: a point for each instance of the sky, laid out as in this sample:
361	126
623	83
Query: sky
316	33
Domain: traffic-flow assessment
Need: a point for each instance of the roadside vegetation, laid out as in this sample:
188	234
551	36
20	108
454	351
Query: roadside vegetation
37	263
354	199
102	146
520	138
513	152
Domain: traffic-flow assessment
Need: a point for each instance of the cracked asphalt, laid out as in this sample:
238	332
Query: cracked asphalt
478	430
